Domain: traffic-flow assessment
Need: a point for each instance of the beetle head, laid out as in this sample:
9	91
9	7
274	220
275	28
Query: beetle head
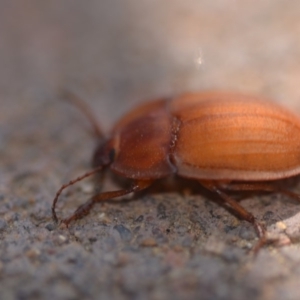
104	154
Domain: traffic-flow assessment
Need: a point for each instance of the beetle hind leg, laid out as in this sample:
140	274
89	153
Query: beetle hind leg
85	208
259	187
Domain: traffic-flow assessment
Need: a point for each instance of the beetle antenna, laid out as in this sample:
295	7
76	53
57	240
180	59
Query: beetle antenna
71	182
71	97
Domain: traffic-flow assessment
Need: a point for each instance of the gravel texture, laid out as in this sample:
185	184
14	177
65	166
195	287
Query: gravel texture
171	242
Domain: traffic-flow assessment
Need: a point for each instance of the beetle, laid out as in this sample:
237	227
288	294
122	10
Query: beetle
226	141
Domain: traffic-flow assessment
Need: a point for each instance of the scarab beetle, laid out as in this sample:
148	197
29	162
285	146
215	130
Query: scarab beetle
227	141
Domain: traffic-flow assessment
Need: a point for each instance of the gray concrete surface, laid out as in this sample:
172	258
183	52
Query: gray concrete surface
166	243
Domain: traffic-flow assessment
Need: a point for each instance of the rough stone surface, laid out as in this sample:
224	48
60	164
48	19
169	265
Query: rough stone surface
171	242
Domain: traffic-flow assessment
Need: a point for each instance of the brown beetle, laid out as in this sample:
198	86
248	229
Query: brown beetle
226	141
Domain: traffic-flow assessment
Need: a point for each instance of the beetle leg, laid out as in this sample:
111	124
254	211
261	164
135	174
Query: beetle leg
257	186
92	172
240	211
85	208
290	194
241	186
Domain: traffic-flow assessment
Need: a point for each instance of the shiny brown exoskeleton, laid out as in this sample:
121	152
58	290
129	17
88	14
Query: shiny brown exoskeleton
226	141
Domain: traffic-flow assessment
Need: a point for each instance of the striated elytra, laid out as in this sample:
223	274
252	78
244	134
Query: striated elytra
227	141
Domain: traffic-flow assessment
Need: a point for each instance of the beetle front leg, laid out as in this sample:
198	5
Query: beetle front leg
85	208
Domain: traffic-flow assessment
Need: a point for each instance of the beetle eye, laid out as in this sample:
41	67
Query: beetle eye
112	154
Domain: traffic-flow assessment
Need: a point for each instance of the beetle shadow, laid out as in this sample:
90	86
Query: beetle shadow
269	207
182	186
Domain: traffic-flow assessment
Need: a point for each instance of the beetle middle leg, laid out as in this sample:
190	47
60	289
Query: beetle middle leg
85	208
239	210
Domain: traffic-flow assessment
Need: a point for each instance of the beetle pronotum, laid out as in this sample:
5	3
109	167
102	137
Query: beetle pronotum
227	141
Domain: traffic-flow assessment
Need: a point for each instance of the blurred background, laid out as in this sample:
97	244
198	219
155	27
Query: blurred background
115	54
128	51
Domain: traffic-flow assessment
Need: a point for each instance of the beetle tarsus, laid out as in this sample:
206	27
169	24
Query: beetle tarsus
54	216
260	229
262	242
80	212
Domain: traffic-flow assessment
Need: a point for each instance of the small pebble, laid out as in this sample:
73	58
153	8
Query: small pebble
33	253
3	225
124	232
50	226
62	238
148	242
281	225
